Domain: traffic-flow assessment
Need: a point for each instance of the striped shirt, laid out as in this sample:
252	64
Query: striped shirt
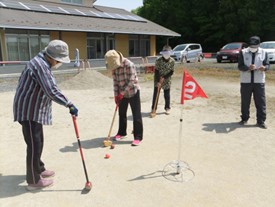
125	79
35	92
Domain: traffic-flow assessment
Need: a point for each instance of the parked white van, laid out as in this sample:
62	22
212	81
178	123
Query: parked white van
187	52
269	47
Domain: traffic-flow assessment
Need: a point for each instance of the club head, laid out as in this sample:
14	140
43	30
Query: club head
88	186
153	114
107	143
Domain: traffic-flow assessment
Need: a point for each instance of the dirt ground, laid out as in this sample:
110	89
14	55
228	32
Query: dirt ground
223	164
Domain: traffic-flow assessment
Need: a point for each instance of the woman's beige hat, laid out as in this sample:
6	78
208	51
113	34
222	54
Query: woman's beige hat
113	59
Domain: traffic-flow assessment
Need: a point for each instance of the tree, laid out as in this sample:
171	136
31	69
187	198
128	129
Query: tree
212	23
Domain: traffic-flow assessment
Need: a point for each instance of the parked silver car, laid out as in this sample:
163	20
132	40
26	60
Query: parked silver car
269	47
188	52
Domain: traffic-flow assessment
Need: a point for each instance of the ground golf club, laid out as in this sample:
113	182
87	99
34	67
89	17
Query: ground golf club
88	184
107	142
153	113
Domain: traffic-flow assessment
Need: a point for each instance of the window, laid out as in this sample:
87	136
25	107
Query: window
98	44
133	46
12	48
23	48
179	47
34	45
110	42
144	45
1	58
44	41
139	45
22	45
95	45
72	1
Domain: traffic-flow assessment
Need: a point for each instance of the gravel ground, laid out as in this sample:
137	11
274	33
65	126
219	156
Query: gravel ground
233	165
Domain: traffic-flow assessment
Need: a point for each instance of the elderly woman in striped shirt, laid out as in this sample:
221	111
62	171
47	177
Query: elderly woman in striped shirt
32	107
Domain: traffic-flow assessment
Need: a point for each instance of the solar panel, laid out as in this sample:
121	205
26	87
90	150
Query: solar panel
2	4
138	18
66	10
132	17
24	5
48	10
95	13
12	5
80	12
58	10
63	10
37	8
109	15
119	16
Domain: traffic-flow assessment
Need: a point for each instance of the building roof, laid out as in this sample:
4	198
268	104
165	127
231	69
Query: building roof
41	15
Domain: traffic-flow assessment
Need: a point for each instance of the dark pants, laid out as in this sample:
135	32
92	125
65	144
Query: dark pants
258	91
136	112
166	98
33	135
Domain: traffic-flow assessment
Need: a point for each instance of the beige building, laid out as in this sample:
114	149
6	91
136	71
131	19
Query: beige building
26	27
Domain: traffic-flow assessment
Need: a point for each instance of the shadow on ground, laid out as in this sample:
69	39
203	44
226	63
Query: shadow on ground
148	176
11	185
92	143
224	127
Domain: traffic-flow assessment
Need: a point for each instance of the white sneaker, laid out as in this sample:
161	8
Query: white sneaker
167	112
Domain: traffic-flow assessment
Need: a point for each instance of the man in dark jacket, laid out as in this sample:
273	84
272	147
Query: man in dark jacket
253	62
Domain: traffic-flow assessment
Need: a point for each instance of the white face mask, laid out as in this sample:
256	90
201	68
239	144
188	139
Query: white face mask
56	66
166	56
253	49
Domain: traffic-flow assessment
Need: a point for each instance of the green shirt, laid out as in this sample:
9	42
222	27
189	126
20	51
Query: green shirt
164	68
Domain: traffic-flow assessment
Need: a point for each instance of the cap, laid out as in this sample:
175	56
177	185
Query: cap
58	50
254	41
113	59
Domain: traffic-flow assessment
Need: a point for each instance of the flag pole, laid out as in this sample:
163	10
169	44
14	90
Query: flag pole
180	141
178	162
183	171
181	120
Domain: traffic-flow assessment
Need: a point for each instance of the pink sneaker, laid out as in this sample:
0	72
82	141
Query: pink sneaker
47	174
42	183
119	137
136	142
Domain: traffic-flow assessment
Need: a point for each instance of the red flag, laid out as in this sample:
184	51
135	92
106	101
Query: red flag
190	88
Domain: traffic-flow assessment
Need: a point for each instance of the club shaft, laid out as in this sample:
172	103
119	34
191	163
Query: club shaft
83	162
111	127
80	148
156	100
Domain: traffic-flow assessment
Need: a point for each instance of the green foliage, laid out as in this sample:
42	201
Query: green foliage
212	23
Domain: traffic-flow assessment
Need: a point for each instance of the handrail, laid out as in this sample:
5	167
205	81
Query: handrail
13	62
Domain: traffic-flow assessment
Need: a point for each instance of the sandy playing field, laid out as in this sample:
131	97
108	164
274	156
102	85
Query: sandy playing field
233	165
